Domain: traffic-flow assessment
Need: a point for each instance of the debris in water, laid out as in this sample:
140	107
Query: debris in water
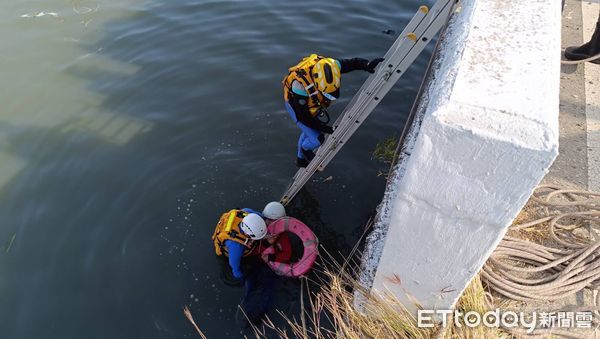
329	178
84	9
388	31
12	239
40	14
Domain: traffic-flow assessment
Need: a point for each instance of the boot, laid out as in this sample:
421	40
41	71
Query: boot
308	155
301	162
586	50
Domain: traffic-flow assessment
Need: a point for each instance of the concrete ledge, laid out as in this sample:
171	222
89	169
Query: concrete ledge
486	133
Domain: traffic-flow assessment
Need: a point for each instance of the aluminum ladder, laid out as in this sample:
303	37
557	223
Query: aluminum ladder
416	35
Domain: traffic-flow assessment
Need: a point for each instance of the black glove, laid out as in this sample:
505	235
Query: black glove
327	129
370	67
271	257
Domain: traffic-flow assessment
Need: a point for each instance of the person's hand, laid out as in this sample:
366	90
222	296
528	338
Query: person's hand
370	67
267	254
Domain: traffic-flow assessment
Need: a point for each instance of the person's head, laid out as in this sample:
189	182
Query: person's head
274	210
326	74
254	226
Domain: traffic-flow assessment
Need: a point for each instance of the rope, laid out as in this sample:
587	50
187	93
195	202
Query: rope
562	258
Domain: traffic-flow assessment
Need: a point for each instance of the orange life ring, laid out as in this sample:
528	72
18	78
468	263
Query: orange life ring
309	241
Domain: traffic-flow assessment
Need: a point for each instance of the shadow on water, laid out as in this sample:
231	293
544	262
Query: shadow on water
113	208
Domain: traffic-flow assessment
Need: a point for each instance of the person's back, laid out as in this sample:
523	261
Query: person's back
235	237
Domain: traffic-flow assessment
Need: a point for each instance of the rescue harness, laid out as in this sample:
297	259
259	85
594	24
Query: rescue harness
302	73
228	228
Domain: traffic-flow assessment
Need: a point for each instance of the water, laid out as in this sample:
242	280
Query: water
128	127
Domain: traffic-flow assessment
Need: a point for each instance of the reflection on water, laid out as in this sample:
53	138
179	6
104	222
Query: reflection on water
127	128
110	127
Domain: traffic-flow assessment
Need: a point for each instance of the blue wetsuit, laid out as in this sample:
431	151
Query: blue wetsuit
235	251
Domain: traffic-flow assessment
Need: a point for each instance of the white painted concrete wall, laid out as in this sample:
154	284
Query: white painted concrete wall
485	135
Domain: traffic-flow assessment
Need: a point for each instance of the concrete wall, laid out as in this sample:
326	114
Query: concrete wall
485	134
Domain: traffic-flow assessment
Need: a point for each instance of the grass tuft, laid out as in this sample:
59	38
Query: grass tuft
386	150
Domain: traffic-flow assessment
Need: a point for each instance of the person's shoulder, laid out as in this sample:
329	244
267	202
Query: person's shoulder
249	210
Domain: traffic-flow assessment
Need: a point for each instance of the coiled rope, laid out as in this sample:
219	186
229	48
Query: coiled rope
555	254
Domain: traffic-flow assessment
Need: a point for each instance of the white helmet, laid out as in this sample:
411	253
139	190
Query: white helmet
274	210
254	226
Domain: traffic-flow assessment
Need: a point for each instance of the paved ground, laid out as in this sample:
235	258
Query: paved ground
578	164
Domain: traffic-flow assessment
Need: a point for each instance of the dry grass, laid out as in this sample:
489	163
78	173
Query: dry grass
380	317
476	299
530	211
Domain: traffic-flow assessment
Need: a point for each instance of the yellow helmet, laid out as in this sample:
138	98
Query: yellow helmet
326	75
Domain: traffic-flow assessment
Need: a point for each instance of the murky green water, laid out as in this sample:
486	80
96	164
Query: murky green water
127	128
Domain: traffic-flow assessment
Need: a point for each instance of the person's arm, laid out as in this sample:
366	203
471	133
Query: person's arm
235	252
349	65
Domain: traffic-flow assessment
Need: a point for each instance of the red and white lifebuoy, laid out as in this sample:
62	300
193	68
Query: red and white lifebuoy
309	241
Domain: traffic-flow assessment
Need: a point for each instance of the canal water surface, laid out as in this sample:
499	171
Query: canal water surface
127	128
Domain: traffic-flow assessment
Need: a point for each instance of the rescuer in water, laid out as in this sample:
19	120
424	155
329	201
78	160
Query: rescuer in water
308	89
237	236
239	231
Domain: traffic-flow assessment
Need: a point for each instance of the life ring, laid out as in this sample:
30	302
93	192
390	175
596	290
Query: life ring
309	241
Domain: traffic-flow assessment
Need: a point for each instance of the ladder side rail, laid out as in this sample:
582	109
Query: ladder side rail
421	19
337	139
358	110
418	19
364	102
397	72
394	70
